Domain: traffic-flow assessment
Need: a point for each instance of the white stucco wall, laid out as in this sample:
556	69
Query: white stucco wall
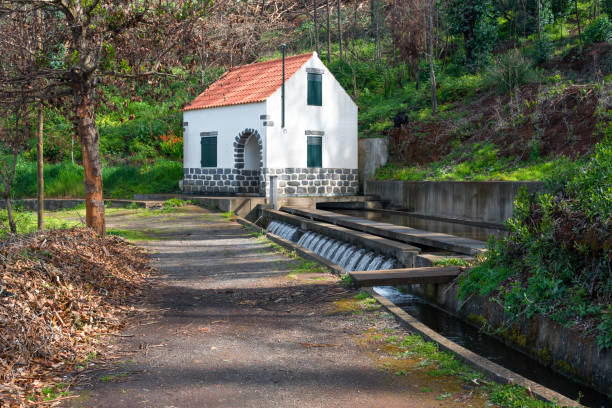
283	148
337	118
229	121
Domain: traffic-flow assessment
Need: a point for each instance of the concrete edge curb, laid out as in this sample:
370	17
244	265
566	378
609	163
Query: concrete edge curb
491	370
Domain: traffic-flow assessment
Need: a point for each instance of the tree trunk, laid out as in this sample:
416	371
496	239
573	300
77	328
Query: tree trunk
328	32
432	72
92	165
316	26
8	188
11	220
40	162
340	29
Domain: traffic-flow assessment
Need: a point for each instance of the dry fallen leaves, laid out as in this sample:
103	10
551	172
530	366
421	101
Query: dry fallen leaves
59	291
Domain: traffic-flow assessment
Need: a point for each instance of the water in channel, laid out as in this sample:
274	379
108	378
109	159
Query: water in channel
412	221
348	256
491	348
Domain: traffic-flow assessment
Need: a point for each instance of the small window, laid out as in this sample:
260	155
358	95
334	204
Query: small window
315	89
315	151
209	151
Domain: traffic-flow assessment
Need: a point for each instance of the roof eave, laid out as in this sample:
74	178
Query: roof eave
224	105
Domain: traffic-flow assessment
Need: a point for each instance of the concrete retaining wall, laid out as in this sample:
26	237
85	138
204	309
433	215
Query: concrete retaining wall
373	153
564	350
490	201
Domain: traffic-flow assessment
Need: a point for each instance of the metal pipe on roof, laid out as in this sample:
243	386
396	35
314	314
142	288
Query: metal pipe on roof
283	47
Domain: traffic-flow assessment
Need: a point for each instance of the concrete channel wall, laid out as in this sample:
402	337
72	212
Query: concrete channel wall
404	253
565	351
490	201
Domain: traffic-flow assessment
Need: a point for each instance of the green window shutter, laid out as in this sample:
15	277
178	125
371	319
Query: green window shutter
315	89
314	151
209	151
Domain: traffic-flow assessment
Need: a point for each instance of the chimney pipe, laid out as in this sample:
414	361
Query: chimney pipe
283	90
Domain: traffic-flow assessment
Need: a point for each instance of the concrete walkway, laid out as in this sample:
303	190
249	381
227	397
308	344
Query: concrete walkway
225	326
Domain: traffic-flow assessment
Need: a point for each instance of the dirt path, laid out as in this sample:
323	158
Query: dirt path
229	325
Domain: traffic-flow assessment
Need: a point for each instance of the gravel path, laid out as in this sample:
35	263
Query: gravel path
225	326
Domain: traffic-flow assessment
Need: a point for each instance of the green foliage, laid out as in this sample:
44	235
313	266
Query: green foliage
481	162
514	396
555	260
592	185
475	22
347	280
451	262
362	295
27	222
509	71
606	6
542	49
66	179
442	363
604	338
174	203
560	9
599	30
132	235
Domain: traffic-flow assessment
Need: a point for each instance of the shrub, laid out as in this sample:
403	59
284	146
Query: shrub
509	71
542	50
172	146
599	30
557	257
66	179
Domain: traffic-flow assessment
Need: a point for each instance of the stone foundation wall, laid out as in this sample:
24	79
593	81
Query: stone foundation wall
315	181
291	181
222	181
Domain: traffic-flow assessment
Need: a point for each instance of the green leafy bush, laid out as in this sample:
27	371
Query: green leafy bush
509	71
542	50
557	257
598	30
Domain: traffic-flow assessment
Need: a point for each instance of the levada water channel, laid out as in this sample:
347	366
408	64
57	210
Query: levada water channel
353	257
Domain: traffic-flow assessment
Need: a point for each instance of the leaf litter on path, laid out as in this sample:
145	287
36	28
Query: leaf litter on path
61	290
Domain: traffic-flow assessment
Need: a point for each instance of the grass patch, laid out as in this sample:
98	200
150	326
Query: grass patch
133	235
425	356
27	221
308	267
63	180
347	280
451	262
475	169
229	215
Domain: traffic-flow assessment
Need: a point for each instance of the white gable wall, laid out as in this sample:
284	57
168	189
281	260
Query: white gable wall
337	118
229	121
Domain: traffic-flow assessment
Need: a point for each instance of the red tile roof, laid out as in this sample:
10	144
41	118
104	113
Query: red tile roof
248	83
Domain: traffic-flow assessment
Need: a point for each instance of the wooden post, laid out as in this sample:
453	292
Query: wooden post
40	167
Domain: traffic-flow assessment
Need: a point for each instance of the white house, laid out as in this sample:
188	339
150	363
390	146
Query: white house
234	136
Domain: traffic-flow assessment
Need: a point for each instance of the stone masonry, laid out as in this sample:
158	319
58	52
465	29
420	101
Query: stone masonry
222	181
314	181
291	181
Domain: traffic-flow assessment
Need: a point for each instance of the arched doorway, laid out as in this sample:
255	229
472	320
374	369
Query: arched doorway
248	160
